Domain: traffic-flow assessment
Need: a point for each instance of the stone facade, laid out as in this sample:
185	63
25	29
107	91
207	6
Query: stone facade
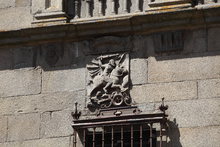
43	68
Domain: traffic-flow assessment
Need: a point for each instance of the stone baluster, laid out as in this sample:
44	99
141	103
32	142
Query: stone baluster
125	6
113	7
76	3
100	7
88	6
137	6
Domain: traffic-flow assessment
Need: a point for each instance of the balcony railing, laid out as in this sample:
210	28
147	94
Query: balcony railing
77	10
112	8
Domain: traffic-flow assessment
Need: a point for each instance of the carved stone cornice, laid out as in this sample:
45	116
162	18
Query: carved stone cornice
201	17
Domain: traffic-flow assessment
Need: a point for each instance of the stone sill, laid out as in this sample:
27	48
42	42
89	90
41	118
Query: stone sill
145	23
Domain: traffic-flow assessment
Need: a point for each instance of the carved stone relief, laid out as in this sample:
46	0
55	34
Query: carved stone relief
108	81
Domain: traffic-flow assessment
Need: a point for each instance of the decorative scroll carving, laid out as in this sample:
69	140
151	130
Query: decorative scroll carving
108	81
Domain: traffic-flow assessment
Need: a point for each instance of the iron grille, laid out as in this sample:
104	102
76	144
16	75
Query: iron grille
121	131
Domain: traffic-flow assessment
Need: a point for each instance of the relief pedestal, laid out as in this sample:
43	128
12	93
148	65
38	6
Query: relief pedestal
49	11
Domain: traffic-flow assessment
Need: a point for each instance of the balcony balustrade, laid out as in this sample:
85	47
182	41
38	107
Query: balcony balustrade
79	10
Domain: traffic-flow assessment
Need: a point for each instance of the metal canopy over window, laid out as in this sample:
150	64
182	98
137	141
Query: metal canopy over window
128	130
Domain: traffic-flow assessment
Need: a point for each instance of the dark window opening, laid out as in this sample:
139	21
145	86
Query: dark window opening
136	130
121	136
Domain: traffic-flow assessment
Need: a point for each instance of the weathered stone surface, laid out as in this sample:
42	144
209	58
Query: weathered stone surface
37	6
64	80
213	39
6	59
23	127
195	41
76	53
15	18
22	3
42	102
194	113
7	3
20	82
55	124
183	69
109	44
14	58
23	57
147	108
2	144
3	129
142	46
170	91
200	137
53	55
138	71
50	142
209	88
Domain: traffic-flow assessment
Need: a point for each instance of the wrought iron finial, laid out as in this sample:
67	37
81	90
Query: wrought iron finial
77	113
163	107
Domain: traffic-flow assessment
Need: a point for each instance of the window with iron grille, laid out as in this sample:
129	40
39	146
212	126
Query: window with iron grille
121	136
128	130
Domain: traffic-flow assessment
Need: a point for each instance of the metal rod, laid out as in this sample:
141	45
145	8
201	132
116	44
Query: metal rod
93	137
151	135
161	135
122	136
103	136
74	138
84	137
112	136
141	135
132	137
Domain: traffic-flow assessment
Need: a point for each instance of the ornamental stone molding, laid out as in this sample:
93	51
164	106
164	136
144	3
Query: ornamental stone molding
49	11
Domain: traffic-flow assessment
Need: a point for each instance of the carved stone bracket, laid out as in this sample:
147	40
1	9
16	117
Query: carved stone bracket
108	81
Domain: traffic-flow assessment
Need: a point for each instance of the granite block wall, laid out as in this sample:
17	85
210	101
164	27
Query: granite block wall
39	85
